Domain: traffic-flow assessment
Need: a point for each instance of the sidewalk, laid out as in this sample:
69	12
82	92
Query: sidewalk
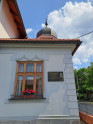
82	122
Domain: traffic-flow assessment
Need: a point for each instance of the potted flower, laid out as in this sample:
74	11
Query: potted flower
29	93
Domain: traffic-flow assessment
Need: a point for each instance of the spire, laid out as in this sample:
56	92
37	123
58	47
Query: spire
46	23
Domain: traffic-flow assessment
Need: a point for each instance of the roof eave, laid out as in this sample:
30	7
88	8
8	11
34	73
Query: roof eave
77	46
76	42
20	25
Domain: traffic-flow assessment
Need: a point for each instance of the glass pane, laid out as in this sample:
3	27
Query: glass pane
21	68
39	67
29	82
38	84
30	67
19	85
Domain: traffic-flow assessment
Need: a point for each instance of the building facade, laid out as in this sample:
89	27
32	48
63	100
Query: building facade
36	75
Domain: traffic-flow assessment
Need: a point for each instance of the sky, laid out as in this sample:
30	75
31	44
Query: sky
70	19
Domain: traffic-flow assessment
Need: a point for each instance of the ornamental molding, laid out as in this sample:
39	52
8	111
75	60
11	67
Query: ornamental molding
24	58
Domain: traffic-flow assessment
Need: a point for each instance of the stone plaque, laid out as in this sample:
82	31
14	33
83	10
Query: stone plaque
55	76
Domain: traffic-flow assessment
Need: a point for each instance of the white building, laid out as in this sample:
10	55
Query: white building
43	65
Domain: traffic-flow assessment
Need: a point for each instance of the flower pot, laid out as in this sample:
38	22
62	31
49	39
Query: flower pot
28	96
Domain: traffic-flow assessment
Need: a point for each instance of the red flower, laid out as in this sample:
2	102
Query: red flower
33	91
23	91
29	91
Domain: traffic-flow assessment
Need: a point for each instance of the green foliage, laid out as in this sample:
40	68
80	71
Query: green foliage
84	83
90	75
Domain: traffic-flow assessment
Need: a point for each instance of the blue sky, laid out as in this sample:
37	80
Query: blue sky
69	19
34	12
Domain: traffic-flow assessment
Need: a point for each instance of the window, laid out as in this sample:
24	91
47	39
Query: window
29	75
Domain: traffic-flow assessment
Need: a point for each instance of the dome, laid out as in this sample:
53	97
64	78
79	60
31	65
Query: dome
46	31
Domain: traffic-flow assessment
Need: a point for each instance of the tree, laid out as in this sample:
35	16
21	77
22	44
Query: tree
90	81
81	80
84	82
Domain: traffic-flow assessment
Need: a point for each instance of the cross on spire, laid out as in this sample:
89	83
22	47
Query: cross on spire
46	23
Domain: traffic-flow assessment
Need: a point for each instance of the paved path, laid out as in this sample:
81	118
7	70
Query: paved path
82	122
86	107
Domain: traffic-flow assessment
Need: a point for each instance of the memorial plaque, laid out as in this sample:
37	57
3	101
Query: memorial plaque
55	76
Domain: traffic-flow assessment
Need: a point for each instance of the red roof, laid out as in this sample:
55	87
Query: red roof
76	42
43	39
37	39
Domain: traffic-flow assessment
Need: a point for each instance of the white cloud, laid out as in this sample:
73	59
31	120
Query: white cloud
85	60
29	30
77	61
75	67
43	25
71	21
90	1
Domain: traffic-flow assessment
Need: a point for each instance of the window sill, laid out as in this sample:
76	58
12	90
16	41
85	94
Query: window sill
26	97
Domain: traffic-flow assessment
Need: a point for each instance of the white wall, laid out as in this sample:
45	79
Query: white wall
60	96
8	28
